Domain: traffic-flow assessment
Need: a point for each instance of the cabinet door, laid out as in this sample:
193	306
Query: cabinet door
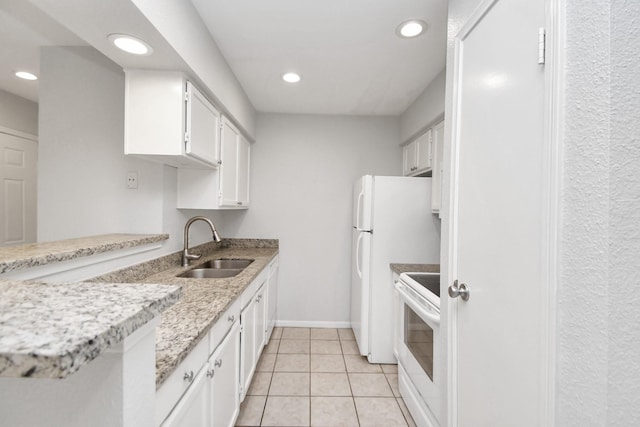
202	138
247	346
193	409
224	371
409	159
229	138
261	313
423	152
272	298
242	170
436	181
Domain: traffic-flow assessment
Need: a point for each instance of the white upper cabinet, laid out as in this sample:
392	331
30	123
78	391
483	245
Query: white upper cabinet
436	182
169	120
417	155
226	187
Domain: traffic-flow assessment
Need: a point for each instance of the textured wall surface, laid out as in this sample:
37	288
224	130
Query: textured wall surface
82	168
624	217
582	334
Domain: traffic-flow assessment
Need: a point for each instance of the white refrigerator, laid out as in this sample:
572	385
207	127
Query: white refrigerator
392	223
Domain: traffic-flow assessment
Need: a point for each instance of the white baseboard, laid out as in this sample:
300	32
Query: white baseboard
311	324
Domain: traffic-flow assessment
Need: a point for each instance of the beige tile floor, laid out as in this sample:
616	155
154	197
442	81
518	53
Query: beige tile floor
315	377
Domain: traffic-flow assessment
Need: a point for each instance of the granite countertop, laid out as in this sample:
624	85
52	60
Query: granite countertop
50	330
183	325
415	268
35	254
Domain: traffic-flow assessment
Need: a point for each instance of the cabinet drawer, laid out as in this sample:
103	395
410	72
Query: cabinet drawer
249	292
176	385
223	325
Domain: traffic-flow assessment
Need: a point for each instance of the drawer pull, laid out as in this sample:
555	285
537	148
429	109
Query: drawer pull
210	373
231	318
218	363
188	376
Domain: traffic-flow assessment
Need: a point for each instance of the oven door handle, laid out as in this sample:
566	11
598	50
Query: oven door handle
409	300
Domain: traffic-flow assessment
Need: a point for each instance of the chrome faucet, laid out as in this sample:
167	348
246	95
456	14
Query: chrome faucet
186	256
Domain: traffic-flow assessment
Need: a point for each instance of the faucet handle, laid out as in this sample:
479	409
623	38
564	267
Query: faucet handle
186	257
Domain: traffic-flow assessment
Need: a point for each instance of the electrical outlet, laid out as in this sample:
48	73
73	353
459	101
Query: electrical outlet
132	180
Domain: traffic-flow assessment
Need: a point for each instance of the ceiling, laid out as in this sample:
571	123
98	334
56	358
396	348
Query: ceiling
23	30
347	52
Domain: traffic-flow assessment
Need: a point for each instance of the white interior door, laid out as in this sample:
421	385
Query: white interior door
498	222
18	165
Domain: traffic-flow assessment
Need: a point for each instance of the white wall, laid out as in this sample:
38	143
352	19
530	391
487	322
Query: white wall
18	113
623	379
425	109
302	172
582	293
82	169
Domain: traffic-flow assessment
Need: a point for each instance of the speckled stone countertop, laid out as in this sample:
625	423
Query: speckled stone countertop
51	330
35	254
184	324
415	268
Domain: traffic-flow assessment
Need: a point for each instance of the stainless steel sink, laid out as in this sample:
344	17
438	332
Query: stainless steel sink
211	273
226	263
217	269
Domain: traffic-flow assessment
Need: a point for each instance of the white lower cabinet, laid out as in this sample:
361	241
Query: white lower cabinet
213	398
193	409
207	387
248	340
224	373
252	336
272	299
261	312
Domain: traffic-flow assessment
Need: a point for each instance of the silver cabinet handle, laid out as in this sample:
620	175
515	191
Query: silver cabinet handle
231	318
188	376
459	290
217	363
210	373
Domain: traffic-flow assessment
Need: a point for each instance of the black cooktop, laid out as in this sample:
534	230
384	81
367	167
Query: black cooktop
429	281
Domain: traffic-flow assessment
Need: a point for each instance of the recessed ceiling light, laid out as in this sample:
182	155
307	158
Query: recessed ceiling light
291	77
130	44
26	75
411	28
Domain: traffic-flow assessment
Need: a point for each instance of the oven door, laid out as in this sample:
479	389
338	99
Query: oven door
418	345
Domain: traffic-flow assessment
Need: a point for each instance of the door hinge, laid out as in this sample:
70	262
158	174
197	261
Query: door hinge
187	96
186	137
541	45
241	328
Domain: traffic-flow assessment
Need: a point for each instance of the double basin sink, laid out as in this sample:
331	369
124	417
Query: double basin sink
217	269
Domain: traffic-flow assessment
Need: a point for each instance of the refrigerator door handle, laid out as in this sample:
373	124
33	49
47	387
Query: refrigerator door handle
358	206
358	269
